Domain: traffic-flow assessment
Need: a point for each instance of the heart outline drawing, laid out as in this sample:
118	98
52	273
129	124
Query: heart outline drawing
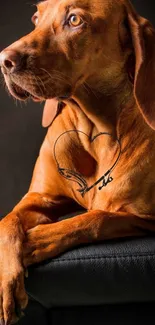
77	177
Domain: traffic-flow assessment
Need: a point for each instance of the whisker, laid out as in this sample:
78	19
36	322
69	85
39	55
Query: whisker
85	87
56	76
38	85
91	89
42	83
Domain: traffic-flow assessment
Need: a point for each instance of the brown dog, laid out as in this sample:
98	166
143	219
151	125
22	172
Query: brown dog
97	59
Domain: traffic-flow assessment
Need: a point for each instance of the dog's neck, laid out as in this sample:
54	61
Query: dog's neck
104	108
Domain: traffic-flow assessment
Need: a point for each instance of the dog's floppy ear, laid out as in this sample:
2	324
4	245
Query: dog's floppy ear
143	39
50	111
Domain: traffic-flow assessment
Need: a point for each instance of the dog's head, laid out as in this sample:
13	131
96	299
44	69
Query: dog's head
78	41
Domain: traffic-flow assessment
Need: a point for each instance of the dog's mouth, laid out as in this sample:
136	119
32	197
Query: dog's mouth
20	93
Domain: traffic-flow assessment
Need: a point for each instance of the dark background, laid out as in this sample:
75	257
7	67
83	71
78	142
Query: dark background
21	133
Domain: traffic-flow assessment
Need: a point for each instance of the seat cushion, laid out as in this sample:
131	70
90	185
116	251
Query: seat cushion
122	314
110	272
35	314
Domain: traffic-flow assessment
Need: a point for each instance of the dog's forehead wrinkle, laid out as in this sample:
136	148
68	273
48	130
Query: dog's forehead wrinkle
99	7
53	11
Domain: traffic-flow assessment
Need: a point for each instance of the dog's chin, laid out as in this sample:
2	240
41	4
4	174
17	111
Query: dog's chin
20	93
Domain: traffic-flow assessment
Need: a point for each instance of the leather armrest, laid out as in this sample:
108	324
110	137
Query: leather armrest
109	272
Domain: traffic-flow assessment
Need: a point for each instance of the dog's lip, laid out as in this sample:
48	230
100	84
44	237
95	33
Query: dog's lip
23	94
20	93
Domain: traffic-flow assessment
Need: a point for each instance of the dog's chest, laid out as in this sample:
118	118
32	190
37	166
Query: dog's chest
82	165
84	162
128	191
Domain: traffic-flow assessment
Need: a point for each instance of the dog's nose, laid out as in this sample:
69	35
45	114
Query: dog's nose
10	60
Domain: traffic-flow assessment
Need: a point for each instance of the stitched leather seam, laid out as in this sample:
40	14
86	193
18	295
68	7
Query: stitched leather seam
103	257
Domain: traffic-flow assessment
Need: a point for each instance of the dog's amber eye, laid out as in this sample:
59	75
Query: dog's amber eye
75	20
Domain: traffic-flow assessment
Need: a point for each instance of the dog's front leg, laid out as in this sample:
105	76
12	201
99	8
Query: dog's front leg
34	209
47	241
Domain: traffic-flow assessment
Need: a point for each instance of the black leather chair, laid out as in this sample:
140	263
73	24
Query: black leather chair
109	283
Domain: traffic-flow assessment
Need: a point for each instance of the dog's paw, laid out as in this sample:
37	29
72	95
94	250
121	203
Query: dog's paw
43	242
13	298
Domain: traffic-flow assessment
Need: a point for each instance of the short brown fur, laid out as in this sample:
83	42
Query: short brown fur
104	93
